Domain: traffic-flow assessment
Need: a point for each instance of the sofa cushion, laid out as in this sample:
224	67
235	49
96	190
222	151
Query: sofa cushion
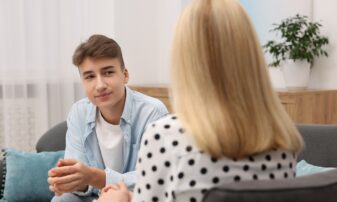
26	175
304	168
311	188
1	178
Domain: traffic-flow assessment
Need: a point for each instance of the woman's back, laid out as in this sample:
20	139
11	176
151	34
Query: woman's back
171	167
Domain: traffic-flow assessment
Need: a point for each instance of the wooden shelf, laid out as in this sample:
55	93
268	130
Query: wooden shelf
303	106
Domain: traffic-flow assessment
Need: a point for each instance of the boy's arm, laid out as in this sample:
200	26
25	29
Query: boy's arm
74	145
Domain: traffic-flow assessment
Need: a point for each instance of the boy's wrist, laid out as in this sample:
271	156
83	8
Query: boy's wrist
97	177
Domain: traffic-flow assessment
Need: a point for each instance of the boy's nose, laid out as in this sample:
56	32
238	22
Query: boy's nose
101	84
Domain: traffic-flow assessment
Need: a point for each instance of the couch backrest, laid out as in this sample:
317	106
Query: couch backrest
320	141
320	144
54	139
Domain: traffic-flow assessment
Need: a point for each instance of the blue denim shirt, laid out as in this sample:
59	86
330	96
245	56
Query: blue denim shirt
81	140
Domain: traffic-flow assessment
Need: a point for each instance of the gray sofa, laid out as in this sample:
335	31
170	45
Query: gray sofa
321	148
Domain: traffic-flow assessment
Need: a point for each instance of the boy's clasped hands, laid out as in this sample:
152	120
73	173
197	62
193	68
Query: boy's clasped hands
68	176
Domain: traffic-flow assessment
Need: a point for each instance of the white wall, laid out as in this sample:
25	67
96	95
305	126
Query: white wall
325	69
144	30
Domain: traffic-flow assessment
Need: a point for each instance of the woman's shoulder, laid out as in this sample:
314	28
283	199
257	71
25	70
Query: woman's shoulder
169	132
168	125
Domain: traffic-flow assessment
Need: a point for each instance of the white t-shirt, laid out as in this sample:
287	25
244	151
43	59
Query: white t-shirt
110	140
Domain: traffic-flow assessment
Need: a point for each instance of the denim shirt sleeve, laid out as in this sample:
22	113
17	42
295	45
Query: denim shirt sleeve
74	140
113	177
75	143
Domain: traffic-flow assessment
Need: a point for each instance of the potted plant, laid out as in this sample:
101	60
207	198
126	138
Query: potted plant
301	42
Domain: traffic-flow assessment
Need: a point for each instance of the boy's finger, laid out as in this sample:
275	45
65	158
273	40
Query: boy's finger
122	186
66	162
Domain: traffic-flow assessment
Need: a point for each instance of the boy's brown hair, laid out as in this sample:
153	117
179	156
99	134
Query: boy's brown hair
98	46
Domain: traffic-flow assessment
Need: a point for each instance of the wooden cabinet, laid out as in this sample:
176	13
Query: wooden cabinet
310	106
306	106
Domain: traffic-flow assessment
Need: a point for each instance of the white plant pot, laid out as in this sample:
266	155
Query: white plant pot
296	74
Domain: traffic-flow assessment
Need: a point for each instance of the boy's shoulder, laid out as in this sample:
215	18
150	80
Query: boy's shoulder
82	107
143	100
83	103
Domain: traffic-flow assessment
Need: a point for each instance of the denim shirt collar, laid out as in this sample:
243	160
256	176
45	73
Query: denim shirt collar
126	115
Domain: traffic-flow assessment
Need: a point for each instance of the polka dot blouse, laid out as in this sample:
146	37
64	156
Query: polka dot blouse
171	168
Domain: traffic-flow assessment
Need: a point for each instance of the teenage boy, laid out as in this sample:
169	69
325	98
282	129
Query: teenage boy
104	129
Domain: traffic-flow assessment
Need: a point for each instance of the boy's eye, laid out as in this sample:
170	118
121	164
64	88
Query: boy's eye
89	77
109	73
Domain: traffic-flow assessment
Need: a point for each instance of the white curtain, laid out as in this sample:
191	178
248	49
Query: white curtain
38	82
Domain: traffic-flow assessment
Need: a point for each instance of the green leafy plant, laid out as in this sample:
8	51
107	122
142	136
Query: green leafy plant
300	40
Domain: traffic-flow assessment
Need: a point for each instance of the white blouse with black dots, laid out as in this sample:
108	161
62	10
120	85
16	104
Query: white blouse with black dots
171	168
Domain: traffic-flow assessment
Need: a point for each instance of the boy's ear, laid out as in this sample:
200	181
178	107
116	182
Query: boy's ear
126	75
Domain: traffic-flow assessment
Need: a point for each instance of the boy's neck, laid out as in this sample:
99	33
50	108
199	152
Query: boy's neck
113	114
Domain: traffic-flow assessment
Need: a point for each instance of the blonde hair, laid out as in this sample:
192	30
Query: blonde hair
220	85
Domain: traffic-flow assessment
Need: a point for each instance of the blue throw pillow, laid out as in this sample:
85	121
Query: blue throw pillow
305	168
26	175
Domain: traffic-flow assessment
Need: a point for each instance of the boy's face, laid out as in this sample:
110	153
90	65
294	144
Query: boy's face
103	80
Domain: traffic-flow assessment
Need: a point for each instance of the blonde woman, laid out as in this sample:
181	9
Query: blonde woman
229	124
